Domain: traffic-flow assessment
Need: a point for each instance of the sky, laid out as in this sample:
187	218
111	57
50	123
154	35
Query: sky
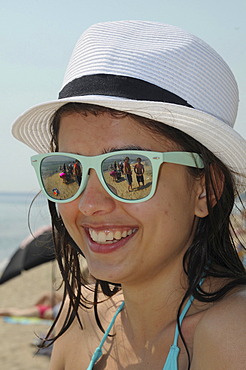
38	36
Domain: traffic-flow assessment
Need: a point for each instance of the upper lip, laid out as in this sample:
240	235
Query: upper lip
108	227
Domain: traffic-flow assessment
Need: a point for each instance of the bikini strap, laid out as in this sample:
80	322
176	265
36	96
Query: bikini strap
171	362
181	318
174	350
182	315
98	352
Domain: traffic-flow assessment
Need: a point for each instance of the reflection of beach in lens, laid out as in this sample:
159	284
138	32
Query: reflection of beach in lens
59	177
58	189
120	186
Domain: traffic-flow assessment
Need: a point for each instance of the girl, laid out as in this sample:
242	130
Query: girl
169	287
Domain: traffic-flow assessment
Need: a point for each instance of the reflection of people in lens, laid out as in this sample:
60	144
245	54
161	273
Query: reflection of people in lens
65	177
128	171
114	175
121	167
139	171
70	168
77	171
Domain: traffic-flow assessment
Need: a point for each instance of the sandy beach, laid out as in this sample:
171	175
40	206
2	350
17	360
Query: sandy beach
16	350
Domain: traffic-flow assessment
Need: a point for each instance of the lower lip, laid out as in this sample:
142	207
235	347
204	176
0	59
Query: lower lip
108	248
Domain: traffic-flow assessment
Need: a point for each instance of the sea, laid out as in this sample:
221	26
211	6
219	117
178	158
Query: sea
18	219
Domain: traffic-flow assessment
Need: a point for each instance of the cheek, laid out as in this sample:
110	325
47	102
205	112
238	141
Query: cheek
62	209
68	214
174	199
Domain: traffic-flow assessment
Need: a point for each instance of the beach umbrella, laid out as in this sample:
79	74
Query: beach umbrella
35	250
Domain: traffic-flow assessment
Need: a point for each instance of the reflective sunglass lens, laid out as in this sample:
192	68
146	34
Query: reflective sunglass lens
61	176
129	177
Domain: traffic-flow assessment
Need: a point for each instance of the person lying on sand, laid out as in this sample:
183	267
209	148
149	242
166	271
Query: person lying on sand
46	307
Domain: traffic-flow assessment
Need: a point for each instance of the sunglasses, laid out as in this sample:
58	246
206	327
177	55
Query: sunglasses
129	176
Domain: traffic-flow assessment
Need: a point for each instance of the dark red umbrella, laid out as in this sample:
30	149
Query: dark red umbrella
33	251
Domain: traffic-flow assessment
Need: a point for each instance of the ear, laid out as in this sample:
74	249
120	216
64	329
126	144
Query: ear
212	194
201	208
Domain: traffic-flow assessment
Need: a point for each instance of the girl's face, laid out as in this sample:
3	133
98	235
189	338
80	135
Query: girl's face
148	238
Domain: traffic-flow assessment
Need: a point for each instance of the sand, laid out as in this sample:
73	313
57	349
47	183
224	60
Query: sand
16	350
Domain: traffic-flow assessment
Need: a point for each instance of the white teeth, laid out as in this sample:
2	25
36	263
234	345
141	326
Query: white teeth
108	237
93	235
101	237
117	235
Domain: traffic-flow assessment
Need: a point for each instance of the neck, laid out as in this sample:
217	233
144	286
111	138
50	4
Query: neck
152	305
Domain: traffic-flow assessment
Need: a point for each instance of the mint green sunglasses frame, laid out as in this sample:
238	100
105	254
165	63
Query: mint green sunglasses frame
95	162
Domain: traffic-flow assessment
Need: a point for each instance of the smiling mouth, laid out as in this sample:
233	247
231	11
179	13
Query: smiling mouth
109	237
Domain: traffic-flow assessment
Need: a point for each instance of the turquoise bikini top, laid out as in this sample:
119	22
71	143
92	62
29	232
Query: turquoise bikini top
172	358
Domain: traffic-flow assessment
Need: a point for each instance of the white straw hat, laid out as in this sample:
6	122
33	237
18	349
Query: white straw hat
153	70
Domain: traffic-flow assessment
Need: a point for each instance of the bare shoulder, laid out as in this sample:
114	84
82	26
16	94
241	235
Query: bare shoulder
75	347
65	342
220	336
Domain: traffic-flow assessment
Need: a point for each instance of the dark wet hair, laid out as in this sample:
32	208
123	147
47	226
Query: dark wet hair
213	251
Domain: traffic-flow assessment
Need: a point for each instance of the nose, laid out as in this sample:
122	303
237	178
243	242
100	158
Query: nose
95	200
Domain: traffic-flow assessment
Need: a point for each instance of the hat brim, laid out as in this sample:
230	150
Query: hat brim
33	127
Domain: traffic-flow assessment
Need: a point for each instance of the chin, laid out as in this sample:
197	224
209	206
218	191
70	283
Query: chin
102	273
